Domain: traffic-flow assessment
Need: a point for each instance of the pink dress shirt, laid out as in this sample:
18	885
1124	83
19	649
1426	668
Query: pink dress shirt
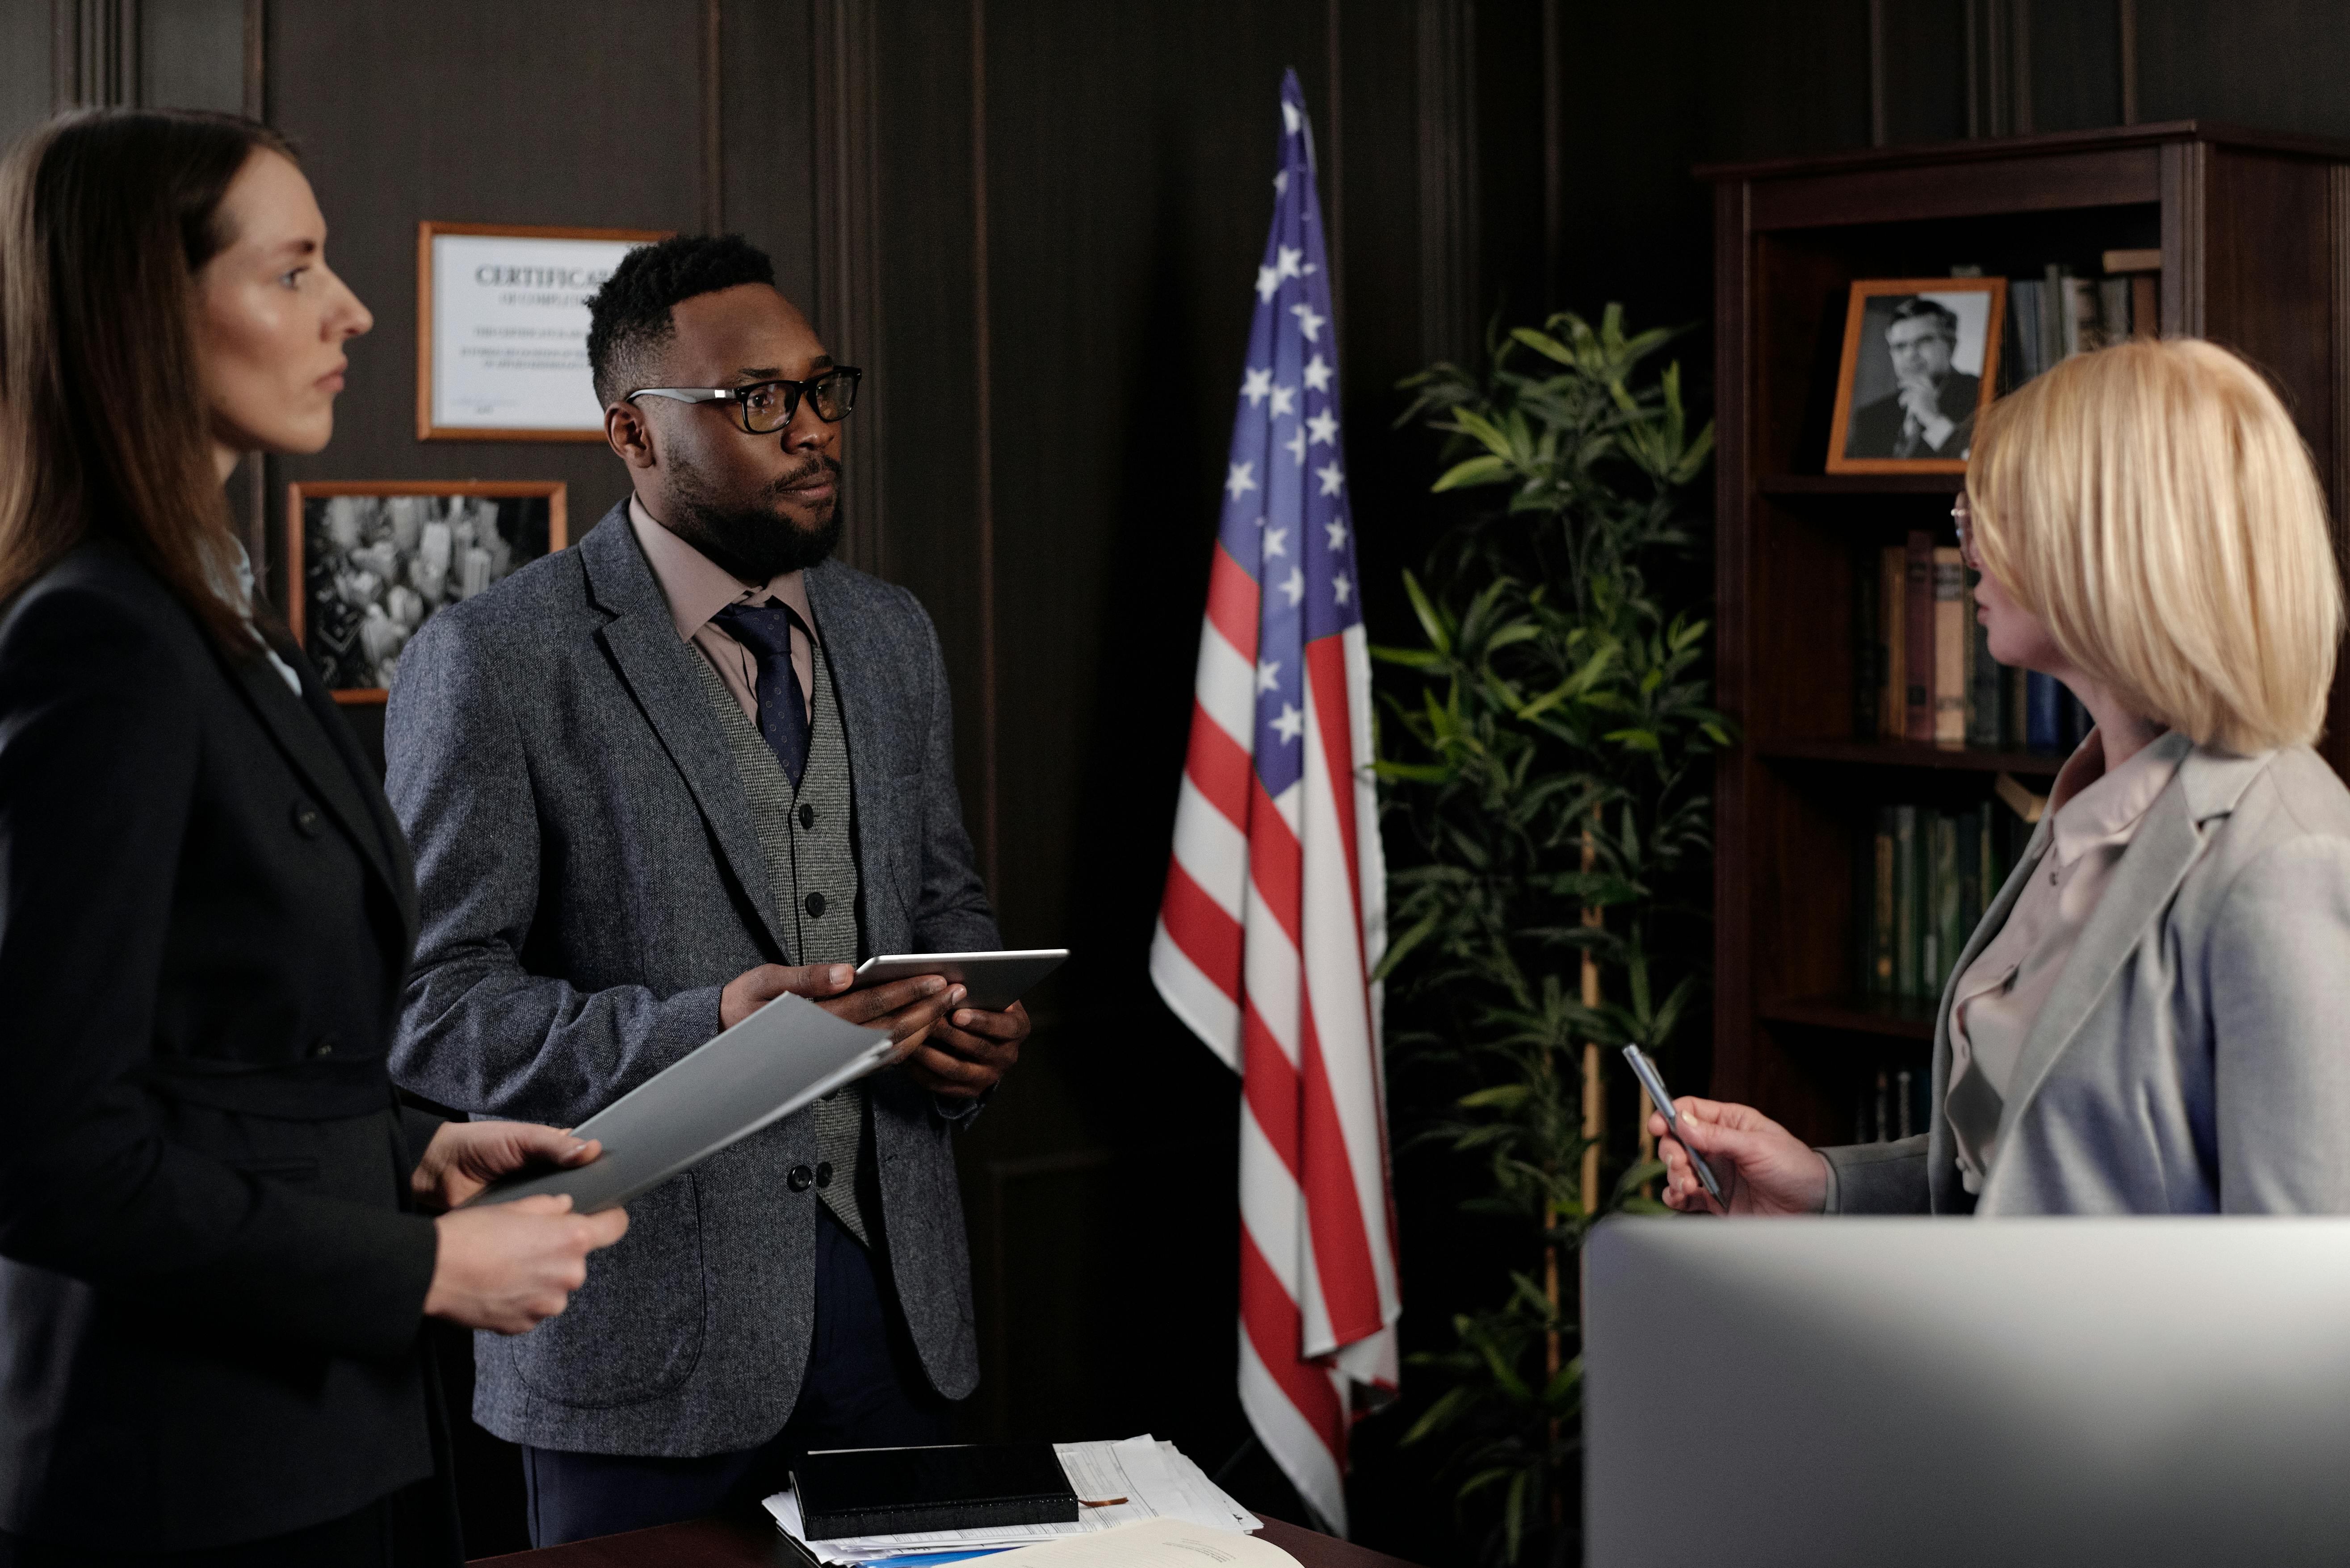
696	588
1999	998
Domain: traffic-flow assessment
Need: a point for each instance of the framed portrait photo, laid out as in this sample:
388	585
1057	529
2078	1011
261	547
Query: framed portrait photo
502	329
1921	360
367	563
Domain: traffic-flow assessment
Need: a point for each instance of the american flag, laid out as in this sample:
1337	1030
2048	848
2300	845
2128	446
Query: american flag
1275	913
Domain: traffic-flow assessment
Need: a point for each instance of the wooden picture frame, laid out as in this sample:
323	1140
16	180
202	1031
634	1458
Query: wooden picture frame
520	532
1877	427
432	423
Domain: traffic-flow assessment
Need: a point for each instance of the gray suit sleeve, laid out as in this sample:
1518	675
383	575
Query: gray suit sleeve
1878	1177
951	914
2279	964
478	1030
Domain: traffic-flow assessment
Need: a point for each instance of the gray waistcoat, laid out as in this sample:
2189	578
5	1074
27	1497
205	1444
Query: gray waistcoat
812	871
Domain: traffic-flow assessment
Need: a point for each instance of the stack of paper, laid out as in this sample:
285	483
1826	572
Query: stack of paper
1154	1478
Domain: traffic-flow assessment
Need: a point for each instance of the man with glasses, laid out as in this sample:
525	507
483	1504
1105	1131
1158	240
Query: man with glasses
652	782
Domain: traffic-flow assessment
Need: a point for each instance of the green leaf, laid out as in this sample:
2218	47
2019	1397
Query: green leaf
1486	470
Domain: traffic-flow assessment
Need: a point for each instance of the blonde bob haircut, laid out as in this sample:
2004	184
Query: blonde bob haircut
2152	503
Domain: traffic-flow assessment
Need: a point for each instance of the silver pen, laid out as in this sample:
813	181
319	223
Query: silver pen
1654	1081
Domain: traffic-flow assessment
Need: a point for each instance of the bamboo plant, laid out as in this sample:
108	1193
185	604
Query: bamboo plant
1545	755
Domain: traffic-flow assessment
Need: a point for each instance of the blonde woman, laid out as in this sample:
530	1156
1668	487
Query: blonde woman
2154	1016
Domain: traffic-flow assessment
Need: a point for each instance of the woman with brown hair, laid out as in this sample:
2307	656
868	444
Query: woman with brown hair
219	1232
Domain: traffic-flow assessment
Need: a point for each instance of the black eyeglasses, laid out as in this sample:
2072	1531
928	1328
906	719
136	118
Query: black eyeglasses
1963	521
763	407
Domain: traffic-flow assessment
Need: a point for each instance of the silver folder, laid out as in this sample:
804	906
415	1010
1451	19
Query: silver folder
787	1055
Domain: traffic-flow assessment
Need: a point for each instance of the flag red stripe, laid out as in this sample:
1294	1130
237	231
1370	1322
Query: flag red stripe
1208	938
1233	602
1277	862
1325	1175
1270	1085
1326	667
1218	767
1276	1327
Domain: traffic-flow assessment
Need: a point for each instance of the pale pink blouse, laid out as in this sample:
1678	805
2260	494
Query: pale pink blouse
1999	996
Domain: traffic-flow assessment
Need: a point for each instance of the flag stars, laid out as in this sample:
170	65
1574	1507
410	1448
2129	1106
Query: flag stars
1257	386
1290	723
1285	401
1308	323
1281	183
1267	283
1293	586
1317	374
1276	541
1268	674
1292	118
1342	588
1241	480
1324	427
1337	532
1286	260
1331	477
1295	446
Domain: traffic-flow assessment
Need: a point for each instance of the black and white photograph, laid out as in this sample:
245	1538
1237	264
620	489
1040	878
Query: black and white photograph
371	562
1921	360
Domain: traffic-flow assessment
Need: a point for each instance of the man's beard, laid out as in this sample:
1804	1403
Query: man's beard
755	541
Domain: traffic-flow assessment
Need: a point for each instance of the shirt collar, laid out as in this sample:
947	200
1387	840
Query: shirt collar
2107	808
695	586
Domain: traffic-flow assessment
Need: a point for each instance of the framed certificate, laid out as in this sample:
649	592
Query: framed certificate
502	329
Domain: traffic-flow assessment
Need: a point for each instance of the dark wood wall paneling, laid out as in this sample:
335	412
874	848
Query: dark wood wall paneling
1036	223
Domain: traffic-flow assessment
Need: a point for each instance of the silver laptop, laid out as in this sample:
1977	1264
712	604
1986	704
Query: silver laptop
2071	1392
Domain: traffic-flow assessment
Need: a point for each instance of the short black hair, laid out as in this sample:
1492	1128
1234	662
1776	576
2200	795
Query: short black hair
629	318
1918	308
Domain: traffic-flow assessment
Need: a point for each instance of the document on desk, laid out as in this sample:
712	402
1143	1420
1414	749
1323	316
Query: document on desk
789	1053
1152	1543
1153	1480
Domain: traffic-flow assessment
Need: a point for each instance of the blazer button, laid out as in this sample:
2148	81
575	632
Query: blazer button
807	816
305	819
815	905
324	1045
800	1179
824	1173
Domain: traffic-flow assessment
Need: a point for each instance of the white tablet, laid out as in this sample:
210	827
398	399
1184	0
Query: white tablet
995	980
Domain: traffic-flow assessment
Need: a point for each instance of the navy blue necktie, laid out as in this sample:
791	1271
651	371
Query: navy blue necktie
766	631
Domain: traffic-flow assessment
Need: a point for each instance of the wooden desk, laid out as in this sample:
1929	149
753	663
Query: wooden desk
757	1544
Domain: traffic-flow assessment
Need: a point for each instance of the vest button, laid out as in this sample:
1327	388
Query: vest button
305	819
800	1179
807	816
816	906
324	1045
824	1173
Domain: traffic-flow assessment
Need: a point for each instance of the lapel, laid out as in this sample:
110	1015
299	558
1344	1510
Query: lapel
2159	855
657	666
316	743
852	658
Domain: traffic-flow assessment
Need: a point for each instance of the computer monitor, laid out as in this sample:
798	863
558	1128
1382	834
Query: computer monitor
1972	1392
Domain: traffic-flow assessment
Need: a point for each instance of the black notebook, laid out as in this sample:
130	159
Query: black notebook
896	1491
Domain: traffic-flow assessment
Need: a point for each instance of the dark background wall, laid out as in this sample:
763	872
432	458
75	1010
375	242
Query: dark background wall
1035	221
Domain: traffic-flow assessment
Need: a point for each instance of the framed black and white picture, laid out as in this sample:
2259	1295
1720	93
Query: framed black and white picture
1920	361
367	563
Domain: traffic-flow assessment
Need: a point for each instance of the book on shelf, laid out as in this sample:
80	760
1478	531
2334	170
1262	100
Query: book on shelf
1952	646
1922	669
1934	872
1917	635
2060	313
2044	718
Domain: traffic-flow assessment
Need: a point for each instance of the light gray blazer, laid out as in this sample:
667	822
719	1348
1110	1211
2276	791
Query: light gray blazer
589	878
2194	1057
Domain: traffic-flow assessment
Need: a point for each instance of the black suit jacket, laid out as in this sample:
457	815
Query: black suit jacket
211	1287
1877	427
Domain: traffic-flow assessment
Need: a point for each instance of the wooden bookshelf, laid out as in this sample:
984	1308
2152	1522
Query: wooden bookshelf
2254	231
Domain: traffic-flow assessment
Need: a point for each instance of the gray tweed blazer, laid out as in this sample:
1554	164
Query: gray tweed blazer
2194	1057
588	879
